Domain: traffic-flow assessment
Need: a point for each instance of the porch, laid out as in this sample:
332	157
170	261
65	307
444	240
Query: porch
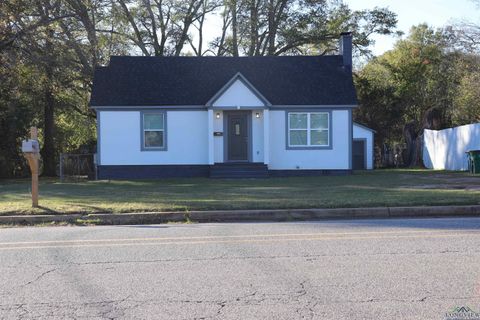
237	136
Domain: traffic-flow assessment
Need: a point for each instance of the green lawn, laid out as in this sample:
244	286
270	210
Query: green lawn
364	189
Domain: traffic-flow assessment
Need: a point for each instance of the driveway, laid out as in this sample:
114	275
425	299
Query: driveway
359	269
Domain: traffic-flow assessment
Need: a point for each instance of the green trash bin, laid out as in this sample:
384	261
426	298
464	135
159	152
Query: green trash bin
474	161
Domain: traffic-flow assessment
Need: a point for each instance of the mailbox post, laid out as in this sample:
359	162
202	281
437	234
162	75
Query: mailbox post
31	151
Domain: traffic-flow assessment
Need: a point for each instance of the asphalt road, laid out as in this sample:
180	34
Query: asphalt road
359	269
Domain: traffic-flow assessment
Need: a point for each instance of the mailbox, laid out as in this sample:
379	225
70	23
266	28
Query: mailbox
30	146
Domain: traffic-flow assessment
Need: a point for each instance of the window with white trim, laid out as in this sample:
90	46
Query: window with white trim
308	129
153	130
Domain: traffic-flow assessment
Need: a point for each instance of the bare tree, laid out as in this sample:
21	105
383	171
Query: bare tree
208	7
162	27
466	36
218	45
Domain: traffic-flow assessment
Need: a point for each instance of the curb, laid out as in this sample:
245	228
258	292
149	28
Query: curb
244	215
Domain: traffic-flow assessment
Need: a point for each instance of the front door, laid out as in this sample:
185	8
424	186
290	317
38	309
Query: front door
237	124
358	154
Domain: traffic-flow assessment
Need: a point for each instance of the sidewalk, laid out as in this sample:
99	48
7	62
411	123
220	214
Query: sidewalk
242	215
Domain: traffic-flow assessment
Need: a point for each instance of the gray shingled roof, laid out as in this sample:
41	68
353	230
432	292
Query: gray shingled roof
193	81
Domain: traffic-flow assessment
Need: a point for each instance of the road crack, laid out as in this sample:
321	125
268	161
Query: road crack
39	277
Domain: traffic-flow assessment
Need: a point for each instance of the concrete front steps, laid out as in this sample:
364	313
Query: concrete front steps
239	170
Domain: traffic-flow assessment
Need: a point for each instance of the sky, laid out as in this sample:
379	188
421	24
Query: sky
436	13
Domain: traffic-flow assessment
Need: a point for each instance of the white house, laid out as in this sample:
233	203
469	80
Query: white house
227	116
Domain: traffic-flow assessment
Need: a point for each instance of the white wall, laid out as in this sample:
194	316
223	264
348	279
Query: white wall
218	140
445	149
120	139
257	136
336	158
362	133
238	94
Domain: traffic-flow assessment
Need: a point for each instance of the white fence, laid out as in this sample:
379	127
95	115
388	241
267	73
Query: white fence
445	149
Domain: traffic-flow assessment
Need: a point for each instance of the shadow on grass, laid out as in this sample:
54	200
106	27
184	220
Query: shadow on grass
92	209
48	210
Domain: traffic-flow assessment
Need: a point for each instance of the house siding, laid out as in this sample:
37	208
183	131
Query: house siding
218	141
336	158
120	139
257	136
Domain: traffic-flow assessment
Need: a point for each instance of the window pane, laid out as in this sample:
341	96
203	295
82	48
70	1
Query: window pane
319	137
298	137
153	121
298	120
319	120
153	139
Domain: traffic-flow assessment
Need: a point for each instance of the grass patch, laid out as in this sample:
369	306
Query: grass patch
87	222
363	189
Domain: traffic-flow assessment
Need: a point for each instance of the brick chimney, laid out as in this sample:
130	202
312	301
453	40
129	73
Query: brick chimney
345	51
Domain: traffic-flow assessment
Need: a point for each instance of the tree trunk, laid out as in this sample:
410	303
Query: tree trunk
253	28
187	22
48	150
226	22
271	28
432	119
234	28
200	31
138	35
410	135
